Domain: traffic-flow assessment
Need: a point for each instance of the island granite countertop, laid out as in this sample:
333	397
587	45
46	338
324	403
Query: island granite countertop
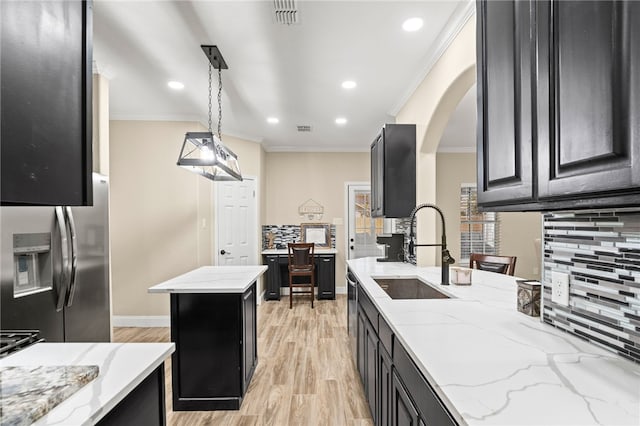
491	364
212	279
121	367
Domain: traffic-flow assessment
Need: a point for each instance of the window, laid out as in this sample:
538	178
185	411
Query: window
479	231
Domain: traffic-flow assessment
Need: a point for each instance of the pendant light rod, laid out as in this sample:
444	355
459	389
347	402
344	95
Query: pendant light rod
214	56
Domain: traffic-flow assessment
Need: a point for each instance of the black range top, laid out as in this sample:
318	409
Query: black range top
14	340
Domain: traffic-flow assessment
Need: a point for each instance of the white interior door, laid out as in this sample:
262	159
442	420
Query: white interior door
237	228
361	241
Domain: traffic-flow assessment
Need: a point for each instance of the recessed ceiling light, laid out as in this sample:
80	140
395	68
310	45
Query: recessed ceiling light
175	85
412	24
349	84
273	120
341	120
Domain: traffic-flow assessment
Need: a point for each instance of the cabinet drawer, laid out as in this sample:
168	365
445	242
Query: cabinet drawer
368	307
427	402
385	334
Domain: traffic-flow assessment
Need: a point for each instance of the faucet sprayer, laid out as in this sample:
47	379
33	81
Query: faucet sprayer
446	258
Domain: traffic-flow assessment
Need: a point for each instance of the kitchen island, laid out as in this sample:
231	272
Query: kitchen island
485	362
128	388
213	324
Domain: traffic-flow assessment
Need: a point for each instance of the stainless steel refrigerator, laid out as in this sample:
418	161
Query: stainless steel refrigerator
54	269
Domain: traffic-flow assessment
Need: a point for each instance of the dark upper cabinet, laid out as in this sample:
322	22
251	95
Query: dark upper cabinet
563	77
393	171
588	98
46	62
505	125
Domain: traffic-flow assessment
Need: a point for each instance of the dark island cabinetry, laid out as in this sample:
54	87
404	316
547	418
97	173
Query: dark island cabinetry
216	351
143	406
397	392
558	96
46	62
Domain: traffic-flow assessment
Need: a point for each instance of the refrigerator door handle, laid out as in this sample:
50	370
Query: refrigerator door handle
64	246
74	256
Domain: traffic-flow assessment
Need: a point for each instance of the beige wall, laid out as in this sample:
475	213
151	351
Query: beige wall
251	157
293	178
430	107
157	210
518	230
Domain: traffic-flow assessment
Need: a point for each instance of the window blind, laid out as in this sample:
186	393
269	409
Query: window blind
479	231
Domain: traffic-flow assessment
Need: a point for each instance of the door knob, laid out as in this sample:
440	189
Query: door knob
351	240
351	247
224	252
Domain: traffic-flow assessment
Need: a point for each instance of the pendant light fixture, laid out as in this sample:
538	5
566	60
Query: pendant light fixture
203	152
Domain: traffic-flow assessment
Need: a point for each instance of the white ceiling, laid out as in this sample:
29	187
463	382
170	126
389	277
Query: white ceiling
290	72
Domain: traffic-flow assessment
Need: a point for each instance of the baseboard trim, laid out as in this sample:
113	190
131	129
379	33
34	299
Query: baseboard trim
141	321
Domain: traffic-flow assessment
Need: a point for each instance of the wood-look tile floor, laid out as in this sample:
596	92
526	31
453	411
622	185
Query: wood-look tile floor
305	373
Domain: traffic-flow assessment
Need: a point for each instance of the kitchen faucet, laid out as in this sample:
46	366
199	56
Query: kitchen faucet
446	258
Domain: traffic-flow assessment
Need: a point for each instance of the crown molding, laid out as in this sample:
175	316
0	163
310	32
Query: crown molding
322	149
454	25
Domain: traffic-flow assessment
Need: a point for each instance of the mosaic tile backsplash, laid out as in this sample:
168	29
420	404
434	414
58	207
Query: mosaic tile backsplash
284	234
601	252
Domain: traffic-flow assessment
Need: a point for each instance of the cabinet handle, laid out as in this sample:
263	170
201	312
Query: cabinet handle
326	260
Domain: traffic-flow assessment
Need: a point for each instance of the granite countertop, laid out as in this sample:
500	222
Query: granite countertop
28	393
120	367
286	251
491	364
212	279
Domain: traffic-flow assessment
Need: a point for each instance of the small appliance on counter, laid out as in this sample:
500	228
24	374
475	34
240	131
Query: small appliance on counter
529	297
460	275
393	247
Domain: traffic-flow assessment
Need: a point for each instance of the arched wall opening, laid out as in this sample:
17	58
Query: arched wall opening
430	108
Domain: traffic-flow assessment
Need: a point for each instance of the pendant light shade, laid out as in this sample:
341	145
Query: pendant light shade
204	152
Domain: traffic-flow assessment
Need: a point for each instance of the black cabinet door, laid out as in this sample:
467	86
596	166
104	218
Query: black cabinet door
249	336
361	337
326	267
377	175
505	121
384	387
588	98
371	369
403	411
393	171
273	278
46	62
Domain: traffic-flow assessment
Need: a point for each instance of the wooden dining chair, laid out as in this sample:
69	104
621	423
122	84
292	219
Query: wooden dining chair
301	265
500	264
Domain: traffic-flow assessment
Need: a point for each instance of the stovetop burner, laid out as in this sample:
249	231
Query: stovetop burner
14	340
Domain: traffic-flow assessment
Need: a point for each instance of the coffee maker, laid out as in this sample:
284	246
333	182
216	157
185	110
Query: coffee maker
393	247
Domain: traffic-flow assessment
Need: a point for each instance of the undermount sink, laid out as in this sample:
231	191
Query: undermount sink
408	288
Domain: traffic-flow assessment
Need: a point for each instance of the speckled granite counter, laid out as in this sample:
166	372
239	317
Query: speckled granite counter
122	367
491	364
28	393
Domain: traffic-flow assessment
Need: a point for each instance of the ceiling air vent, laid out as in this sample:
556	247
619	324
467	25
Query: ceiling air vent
286	12
305	128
